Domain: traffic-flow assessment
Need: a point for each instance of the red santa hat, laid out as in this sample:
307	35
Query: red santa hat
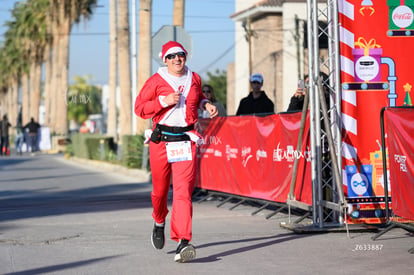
171	47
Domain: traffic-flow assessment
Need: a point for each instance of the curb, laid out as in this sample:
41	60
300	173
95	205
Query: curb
109	167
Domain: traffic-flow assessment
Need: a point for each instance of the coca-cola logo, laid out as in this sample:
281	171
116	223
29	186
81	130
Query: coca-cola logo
402	16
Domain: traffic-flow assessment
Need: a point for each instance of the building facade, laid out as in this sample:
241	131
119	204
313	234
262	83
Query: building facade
269	38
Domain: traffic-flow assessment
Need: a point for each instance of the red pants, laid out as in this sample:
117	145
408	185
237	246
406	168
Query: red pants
183	179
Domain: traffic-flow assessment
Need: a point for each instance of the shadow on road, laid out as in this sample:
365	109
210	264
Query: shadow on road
266	241
61	267
44	186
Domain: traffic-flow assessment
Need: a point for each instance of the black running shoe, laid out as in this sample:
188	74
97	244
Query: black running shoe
158	237
185	252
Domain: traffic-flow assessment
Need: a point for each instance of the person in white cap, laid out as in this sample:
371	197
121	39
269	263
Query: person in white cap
257	101
171	97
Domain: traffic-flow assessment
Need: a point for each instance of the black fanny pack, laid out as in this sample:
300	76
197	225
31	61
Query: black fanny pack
158	136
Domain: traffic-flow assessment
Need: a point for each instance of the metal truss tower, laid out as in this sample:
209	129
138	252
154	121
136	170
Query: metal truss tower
328	202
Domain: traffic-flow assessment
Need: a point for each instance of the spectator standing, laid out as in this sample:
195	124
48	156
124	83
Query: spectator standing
171	98
208	92
1	141
257	101
18	139
298	98
33	128
4	144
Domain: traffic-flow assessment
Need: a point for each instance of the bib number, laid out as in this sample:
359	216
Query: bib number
178	151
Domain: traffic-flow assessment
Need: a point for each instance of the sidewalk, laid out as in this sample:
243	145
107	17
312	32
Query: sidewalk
59	216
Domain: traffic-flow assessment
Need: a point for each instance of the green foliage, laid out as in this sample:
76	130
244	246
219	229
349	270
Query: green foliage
133	147
99	147
218	80
84	99
69	149
89	146
79	145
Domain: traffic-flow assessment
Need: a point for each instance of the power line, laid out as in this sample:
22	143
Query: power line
217	59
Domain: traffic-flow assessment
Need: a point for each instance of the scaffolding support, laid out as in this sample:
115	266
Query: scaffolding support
329	205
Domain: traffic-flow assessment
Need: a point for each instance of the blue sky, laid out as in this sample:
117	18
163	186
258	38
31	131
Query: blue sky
207	21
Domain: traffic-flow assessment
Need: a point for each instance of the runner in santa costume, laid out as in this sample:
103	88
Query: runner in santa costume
171	98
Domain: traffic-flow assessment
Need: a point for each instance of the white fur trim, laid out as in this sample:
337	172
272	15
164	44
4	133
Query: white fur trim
161	99
147	134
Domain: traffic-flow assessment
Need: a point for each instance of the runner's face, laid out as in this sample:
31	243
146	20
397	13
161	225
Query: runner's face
176	65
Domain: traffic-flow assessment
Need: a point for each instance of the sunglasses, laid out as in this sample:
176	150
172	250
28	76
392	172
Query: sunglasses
206	91
173	55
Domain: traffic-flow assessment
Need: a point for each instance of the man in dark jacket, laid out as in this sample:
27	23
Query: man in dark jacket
33	128
4	136
257	101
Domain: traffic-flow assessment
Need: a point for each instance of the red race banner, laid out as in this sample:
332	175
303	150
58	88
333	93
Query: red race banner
376	44
399	124
254	156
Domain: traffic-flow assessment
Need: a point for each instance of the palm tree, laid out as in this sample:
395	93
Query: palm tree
11	68
88	95
124	55
178	14
111	121
25	44
26	34
144	61
37	33
13	65
47	61
68	12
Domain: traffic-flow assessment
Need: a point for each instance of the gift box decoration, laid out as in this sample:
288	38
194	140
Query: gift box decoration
401	14
367	61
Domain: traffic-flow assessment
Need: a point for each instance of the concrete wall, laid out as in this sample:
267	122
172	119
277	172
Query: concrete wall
293	65
275	54
231	107
241	70
266	55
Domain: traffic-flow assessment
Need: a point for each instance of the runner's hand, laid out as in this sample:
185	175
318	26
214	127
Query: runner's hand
211	109
172	98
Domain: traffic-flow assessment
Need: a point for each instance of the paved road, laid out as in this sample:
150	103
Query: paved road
66	217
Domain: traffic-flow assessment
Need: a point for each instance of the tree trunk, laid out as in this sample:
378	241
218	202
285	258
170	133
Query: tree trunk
15	104
32	88
38	85
55	81
124	55
12	103
25	99
62	69
178	14
7	98
144	50
111	121
48	84
35	84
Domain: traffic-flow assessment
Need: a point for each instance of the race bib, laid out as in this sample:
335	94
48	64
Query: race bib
178	151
